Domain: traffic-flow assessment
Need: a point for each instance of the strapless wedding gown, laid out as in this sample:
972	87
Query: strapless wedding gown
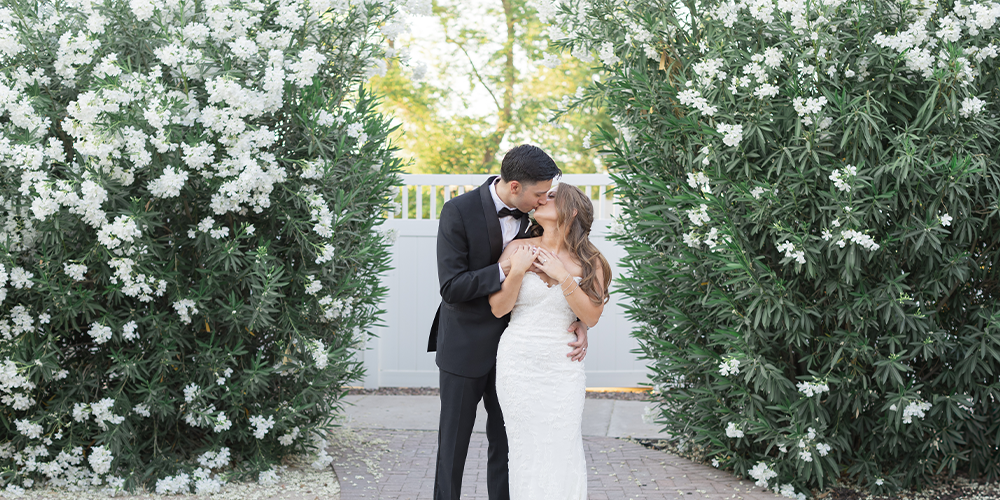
541	393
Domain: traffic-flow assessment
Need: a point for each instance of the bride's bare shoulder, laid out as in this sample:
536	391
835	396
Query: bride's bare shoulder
523	242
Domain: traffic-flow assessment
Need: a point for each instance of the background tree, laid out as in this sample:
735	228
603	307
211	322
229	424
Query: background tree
482	81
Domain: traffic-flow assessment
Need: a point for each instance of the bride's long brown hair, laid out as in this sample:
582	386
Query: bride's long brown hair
575	212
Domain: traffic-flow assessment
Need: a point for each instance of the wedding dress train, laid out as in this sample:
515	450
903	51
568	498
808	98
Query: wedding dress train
541	393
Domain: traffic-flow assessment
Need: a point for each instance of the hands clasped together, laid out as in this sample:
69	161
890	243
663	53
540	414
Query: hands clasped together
541	261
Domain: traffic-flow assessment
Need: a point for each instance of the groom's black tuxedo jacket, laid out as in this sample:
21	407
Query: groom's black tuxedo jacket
465	333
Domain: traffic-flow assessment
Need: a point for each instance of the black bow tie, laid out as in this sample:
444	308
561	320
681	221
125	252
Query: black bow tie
506	212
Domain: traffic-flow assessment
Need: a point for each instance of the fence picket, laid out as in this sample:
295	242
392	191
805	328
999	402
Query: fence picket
461	183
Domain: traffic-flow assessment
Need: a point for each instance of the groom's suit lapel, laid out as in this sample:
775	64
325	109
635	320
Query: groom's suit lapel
492	221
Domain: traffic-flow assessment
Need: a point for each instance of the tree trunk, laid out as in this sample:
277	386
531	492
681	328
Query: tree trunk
509	78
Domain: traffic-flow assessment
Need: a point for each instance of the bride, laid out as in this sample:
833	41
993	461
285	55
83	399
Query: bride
555	278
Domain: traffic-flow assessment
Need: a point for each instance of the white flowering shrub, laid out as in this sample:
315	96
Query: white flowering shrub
810	194
189	254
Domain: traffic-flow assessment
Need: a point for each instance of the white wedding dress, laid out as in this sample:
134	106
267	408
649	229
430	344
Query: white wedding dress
541	393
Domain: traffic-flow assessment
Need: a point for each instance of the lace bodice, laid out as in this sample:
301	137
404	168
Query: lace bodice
541	307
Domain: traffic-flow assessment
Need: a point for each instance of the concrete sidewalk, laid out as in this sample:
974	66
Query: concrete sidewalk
601	417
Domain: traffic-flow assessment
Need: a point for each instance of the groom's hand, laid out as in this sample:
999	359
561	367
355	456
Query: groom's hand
580	346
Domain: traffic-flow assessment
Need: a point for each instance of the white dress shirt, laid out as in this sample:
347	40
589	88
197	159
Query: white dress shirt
509	226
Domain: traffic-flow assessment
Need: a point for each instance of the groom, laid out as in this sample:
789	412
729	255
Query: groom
474	229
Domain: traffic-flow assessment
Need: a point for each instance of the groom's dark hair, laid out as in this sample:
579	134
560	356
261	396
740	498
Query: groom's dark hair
528	164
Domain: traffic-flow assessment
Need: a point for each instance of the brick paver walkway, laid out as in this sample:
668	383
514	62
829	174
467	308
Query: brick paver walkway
403	469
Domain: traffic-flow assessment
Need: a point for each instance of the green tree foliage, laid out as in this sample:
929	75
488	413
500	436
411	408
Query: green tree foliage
495	53
812	228
189	251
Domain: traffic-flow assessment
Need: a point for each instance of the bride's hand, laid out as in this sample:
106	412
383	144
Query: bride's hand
522	259
551	265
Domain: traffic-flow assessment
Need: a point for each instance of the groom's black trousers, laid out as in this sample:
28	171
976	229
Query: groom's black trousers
459	398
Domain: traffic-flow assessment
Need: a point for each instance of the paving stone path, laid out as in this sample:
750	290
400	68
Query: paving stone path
403	469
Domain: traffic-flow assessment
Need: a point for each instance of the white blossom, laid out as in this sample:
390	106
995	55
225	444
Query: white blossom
102	412
698	180
222	423
129	331
709	70
808	106
841	178
141	409
773	57
732	134
699	216
971	106
607	54
693	98
306	67
915	409
215	459
729	367
692	240
326	254
727	12
100	333
261	425
323	459
811	389
858	238
28	428
791	252
172	485
766	90
289	438
313	286
143	9
191	392
319	354
762	473
268	477
185	308
77	272
169	184
100	459
19	278
733	431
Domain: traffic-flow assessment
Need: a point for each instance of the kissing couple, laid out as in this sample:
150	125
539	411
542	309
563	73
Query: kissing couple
516	302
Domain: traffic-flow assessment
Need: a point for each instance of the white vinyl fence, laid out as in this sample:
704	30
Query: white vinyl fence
398	357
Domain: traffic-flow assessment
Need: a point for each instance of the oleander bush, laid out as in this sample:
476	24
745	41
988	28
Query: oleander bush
189	244
811	196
